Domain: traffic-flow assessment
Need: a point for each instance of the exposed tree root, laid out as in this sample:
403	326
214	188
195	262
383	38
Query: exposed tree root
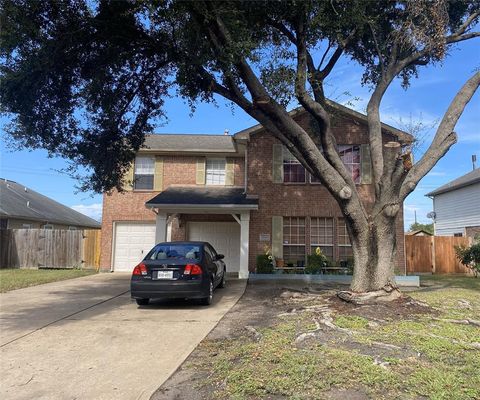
386	294
473	322
256	334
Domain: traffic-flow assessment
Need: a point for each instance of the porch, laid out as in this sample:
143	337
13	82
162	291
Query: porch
220	216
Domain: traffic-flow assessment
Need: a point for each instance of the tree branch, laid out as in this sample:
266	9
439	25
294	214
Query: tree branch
444	137
316	109
377	48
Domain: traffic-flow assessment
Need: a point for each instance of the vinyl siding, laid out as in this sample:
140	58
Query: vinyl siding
456	210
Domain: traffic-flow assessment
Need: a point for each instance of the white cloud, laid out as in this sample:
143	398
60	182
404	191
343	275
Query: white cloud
437	173
93	210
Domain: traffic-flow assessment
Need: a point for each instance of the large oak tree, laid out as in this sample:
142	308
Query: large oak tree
87	79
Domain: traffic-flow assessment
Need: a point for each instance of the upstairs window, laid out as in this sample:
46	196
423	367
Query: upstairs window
215	171
350	155
144	173
293	171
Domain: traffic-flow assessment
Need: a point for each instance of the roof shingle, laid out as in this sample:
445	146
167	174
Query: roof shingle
18	201
465	180
190	143
202	196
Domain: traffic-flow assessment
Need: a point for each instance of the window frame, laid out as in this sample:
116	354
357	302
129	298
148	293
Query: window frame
216	159
304	237
26	226
292	161
47	226
152	175
357	181
330	246
341	225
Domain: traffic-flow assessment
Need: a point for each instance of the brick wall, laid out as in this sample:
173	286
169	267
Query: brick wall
303	199
130	205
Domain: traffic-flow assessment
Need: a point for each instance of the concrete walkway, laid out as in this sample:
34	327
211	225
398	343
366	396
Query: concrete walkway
85	339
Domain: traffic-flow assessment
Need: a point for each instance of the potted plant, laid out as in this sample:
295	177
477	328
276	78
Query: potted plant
315	262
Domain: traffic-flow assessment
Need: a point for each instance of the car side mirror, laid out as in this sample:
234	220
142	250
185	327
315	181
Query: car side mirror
219	257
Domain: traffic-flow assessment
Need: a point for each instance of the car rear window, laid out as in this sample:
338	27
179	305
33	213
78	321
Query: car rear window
175	252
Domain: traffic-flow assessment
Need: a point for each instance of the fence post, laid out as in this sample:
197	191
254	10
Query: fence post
434	266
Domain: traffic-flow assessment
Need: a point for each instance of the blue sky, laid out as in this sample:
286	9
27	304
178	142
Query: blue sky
426	101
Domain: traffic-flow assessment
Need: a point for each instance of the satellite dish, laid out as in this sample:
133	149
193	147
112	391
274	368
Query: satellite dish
431	215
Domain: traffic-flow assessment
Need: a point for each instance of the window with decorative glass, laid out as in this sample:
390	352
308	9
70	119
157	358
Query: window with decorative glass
293	171
215	171
321	235
144	173
344	247
350	155
294	240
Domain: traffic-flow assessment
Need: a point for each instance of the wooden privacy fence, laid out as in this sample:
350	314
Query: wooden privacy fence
49	248
434	254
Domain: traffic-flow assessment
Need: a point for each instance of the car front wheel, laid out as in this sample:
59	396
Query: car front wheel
142	302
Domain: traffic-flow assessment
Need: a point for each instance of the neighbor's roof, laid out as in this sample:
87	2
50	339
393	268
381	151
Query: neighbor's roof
414	233
202	197
465	180
18	201
402	136
190	143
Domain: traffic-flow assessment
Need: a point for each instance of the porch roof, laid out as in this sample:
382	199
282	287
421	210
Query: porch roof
203	198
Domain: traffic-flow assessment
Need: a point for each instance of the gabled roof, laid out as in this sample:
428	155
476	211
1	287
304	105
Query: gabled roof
465	180
18	201
402	136
202	197
417	232
190	143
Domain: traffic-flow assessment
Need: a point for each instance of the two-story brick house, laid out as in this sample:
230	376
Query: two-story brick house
242	193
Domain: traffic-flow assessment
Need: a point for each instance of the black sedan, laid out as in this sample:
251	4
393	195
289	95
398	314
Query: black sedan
178	270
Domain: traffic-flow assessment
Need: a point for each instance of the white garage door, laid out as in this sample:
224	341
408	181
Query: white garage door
133	240
223	236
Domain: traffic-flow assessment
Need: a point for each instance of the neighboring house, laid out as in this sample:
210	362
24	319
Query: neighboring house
23	208
456	206
243	193
419	232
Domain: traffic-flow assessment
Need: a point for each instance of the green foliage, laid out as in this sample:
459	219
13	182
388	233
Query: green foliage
315	262
417	226
264	264
87	80
470	257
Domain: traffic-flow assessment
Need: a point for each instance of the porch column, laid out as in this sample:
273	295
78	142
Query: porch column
161	228
244	240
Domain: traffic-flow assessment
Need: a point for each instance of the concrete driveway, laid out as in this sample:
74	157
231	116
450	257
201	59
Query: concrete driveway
85	339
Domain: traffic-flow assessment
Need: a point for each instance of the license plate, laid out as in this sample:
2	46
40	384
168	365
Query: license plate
164	275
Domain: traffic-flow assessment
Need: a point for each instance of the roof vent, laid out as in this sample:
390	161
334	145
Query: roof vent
28	203
226	132
25	188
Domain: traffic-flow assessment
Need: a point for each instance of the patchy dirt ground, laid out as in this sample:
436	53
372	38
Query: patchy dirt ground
292	341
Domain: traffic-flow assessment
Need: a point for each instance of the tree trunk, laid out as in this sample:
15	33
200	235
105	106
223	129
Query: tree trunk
375	256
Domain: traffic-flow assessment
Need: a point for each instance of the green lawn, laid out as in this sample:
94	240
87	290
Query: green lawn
412	350
11	279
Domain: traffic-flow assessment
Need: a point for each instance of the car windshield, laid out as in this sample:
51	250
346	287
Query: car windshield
175	251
